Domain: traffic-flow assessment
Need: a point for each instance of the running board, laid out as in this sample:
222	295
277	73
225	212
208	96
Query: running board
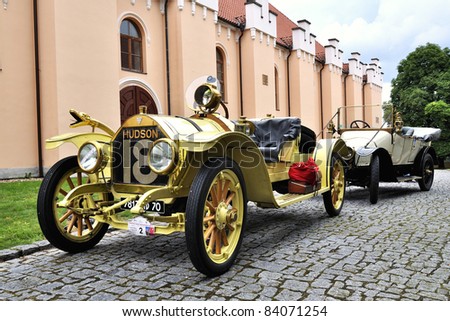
285	200
402	179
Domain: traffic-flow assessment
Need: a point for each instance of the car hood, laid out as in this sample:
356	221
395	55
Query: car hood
367	139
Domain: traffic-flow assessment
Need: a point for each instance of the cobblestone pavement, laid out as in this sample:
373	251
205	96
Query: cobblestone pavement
395	250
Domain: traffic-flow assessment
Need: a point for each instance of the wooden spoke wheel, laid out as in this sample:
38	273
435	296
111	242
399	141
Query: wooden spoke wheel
67	229
215	217
334	198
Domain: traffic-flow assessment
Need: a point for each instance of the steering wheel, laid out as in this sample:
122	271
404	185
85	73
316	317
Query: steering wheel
355	124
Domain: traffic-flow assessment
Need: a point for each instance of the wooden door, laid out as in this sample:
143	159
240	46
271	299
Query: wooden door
131	98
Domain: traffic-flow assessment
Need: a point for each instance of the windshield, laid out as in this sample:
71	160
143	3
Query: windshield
359	117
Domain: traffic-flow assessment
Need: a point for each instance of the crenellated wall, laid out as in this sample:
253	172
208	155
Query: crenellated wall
373	93
332	80
303	39
304	73
279	65
259	17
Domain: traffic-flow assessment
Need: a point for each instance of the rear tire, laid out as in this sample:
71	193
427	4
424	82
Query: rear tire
334	198
374	179
427	173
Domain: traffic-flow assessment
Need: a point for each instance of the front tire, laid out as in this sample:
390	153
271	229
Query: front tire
427	173
215	216
334	198
66	229
374	180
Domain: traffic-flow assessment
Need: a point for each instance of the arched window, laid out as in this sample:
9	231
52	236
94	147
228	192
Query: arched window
131	46
277	87
220	64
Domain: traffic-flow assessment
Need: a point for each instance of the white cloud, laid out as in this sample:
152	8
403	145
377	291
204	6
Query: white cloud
386	94
327	11
385	29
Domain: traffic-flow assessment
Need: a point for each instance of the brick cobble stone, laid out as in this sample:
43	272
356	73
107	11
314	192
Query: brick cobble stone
397	249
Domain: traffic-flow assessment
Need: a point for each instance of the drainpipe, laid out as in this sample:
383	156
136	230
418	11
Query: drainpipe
166	27
364	101
241	28
345	100
289	81
38	89
321	99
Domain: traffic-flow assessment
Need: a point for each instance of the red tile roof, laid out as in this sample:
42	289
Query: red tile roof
233	12
320	52
284	27
345	68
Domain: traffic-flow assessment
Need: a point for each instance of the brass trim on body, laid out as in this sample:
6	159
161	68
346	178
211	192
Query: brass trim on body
213	118
174	223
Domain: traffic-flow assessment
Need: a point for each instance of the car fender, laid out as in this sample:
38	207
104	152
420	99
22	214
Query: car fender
323	156
242	150
363	156
420	156
78	139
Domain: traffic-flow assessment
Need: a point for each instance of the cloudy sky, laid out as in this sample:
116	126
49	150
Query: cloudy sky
386	29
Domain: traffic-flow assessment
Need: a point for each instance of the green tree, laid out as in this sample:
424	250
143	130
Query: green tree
439	111
387	112
421	91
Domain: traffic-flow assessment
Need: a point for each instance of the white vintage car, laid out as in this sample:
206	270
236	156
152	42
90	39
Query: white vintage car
388	154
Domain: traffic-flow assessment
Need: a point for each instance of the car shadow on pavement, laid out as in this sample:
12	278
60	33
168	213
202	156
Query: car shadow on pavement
161	257
121	250
386	191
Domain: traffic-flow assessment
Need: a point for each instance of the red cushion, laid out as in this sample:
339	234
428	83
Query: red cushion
304	172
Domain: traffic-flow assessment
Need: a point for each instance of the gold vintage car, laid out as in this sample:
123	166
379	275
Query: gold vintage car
165	174
394	153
